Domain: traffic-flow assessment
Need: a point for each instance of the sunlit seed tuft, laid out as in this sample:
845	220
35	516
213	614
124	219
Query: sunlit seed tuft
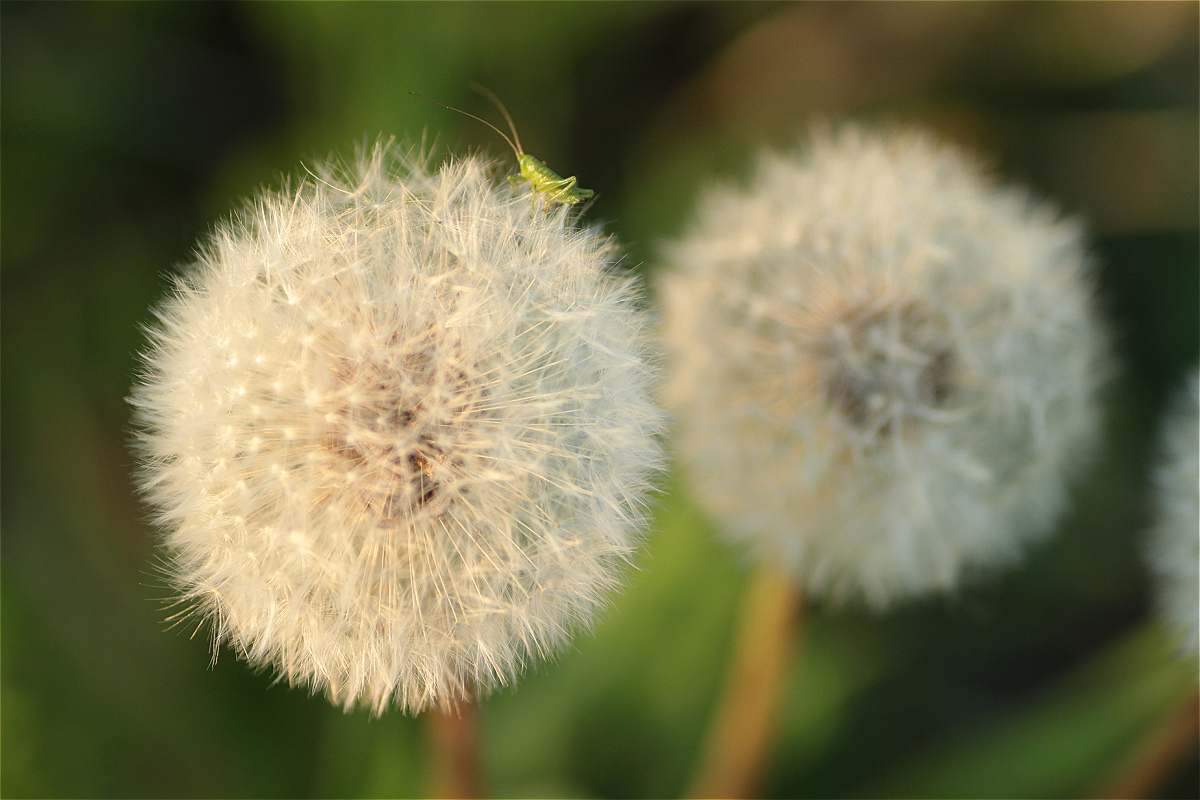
398	433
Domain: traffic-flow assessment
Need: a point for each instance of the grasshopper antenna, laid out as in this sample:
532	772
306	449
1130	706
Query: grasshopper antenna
515	148
490	95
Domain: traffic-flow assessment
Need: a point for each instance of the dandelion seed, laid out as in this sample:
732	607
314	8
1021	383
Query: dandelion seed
398	434
882	366
1174	547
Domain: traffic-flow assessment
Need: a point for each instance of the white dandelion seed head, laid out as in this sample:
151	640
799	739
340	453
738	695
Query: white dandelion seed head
398	433
1174	546
882	366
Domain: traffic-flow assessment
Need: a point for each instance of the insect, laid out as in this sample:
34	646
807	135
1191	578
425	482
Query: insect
541	179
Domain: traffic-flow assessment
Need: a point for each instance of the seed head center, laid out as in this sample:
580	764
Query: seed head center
884	365
394	431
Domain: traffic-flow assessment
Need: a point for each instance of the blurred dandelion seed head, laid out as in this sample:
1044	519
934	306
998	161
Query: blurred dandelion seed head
398	434
883	367
1174	547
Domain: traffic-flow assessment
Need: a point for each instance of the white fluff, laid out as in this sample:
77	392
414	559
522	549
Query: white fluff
882	366
398	432
1174	549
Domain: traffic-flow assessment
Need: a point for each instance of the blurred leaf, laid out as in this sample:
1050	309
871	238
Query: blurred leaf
834	665
1063	739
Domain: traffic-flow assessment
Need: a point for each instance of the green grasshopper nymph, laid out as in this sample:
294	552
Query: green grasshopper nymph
541	179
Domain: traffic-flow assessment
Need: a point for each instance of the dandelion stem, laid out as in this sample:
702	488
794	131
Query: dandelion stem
454	739
1171	740
736	749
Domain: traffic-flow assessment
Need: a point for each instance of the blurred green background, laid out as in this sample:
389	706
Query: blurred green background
128	130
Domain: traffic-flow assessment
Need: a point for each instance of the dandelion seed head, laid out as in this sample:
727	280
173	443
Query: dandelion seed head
1174	546
883	367
398	434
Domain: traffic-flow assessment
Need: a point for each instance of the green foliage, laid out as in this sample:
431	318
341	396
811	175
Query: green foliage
1067	735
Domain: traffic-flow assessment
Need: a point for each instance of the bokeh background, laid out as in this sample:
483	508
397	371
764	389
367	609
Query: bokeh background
128	130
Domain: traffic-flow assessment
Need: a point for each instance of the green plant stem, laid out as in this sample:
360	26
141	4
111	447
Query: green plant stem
737	746
454	741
